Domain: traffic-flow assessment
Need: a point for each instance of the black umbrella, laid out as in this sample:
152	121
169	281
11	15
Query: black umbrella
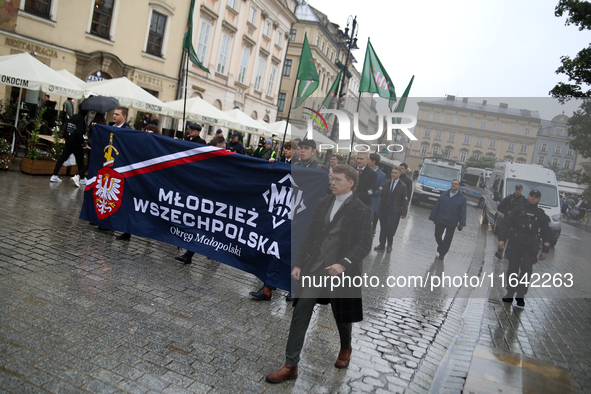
99	104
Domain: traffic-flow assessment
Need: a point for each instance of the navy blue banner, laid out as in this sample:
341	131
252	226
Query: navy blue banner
229	207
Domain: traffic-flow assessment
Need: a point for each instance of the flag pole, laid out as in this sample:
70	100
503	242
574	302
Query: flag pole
353	136
185	101
289	114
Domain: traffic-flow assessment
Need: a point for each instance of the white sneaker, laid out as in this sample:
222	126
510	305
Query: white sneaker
83	181
76	180
55	178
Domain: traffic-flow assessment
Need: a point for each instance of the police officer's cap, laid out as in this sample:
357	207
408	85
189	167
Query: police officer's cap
234	134
519	186
535	192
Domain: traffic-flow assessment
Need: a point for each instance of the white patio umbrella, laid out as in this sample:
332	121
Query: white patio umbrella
72	78
128	93
200	111
278	128
24	71
245	123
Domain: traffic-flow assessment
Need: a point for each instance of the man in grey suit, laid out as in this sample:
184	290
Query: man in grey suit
335	244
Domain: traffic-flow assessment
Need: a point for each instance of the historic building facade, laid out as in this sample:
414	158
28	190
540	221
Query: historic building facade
458	129
243	44
97	39
552	145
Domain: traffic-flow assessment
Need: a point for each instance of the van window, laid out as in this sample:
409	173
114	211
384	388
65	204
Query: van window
471	179
494	185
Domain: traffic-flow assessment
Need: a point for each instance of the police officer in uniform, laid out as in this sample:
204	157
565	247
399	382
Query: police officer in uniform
508	204
523	227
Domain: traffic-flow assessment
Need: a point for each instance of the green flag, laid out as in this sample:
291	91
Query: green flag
375	79
188	41
331	97
402	103
307	74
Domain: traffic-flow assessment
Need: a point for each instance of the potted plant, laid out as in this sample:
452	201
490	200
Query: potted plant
39	162
5	155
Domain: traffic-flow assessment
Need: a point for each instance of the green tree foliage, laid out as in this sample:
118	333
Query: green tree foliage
483	162
580	129
577	69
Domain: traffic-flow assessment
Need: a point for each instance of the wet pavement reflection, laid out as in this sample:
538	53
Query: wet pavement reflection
83	312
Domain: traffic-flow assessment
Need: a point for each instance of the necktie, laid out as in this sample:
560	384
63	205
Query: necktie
358	170
393	186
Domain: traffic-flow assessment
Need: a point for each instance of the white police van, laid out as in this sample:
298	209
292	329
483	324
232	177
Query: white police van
502	183
435	177
474	183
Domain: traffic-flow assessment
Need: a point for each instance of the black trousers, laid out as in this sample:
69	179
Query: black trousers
521	261
78	152
388	225
443	240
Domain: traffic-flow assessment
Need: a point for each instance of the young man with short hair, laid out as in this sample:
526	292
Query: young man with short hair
393	207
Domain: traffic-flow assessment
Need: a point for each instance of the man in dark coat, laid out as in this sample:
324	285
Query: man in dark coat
74	136
508	204
335	244
120	117
448	213
194	130
393	207
234	145
524	226
406	179
368	179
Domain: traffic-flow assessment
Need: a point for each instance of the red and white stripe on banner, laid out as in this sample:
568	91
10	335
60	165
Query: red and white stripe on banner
166	161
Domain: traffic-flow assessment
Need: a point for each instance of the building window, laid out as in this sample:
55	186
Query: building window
466	139
448	154
427	133
483	125
252	15
224	51
430	118
555	161
292	34
244	58
544	147
559	131
511	147
156	36
463	156
567	164
452	137
493	144
514	131
520	162
441	119
267	28
424	150
479	142
286	68
38	7
496	127
232	4
523	149
527	132
271	80
435	150
569	152
558	149
281	102
101	18
438	135
259	75
477	156
203	42
470	122
541	159
279	39
454	121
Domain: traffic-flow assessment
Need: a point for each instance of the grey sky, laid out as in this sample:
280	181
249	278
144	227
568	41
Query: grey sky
463	47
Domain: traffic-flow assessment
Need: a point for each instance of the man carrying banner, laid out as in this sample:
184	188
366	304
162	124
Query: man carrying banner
336	241
307	154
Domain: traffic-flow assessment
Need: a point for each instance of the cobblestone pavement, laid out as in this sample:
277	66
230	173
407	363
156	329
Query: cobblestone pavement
83	312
